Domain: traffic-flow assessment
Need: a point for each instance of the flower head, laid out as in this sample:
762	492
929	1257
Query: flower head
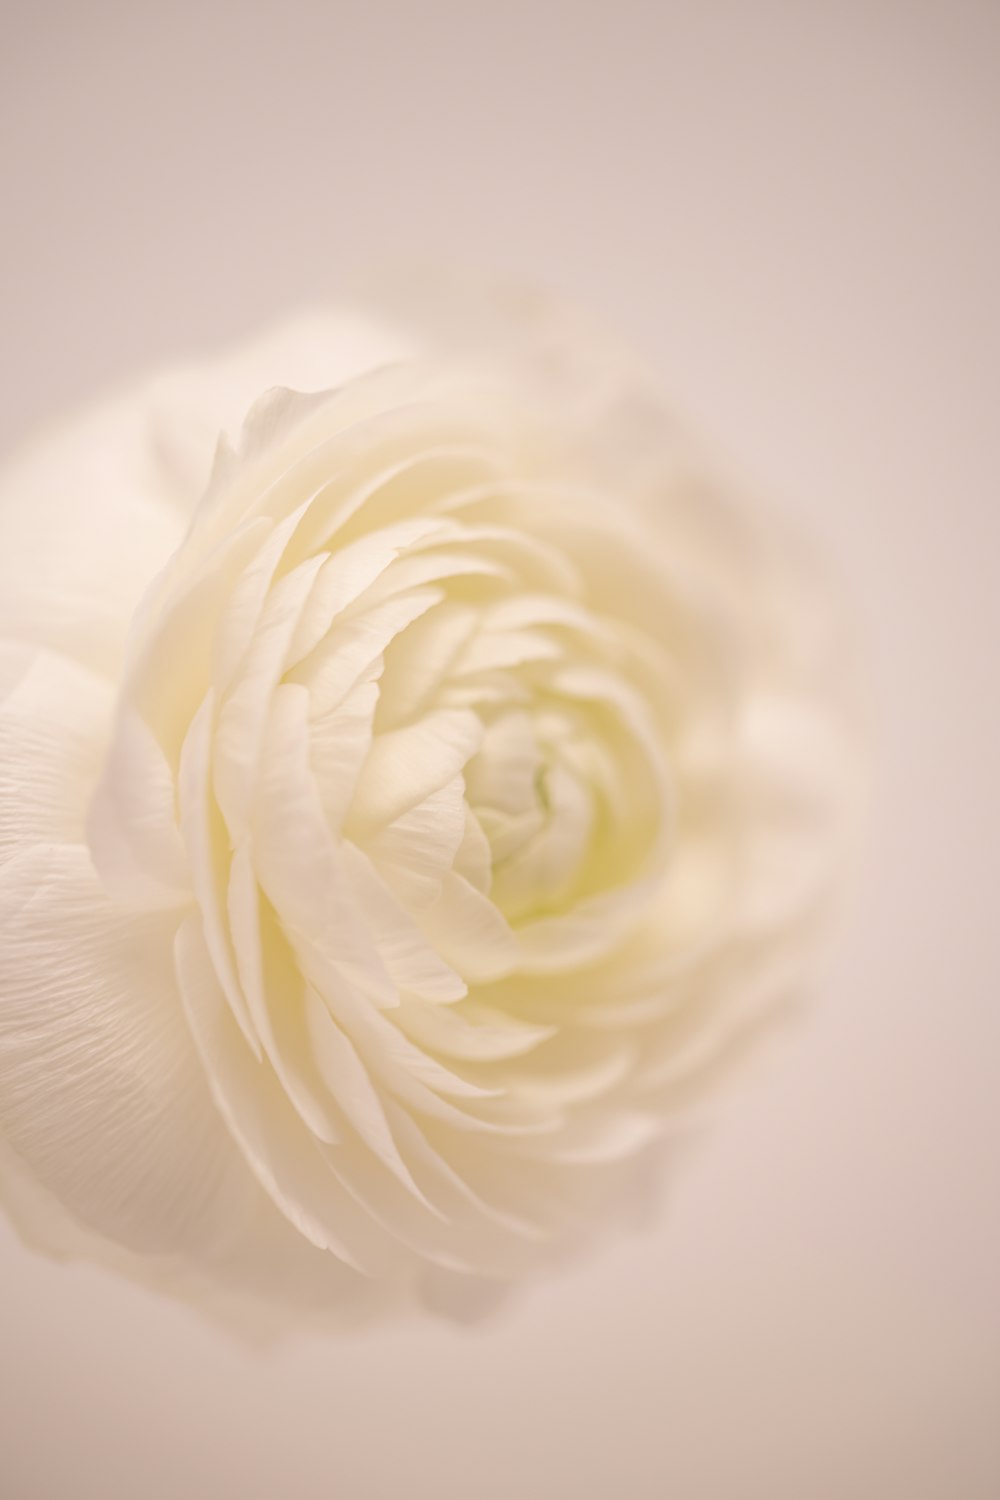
399	835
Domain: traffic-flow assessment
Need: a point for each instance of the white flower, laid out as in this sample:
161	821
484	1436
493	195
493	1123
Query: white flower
396	837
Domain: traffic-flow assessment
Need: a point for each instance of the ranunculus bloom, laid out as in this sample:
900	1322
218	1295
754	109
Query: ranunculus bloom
402	816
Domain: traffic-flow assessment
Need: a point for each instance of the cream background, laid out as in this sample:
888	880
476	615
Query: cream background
792	209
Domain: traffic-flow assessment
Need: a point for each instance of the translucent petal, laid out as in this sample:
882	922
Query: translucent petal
339	742
349	1082
284	1156
208	846
414	964
472	1031
354	645
419	660
315	350
473	859
469	932
132	825
86	520
242	716
54	717
298	862
415	852
407	765
101	1093
346	575
275	997
504	774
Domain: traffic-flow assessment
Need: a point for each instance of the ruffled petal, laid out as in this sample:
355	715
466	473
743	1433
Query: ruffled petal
101	1093
54	723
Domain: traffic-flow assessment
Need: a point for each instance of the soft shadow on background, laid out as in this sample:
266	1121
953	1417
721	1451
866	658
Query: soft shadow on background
792	211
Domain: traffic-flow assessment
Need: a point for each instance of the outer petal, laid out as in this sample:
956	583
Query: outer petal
100	1089
258	1287
85	523
91	510
53	725
317	349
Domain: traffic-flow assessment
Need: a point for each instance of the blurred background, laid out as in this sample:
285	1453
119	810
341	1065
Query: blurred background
791	209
